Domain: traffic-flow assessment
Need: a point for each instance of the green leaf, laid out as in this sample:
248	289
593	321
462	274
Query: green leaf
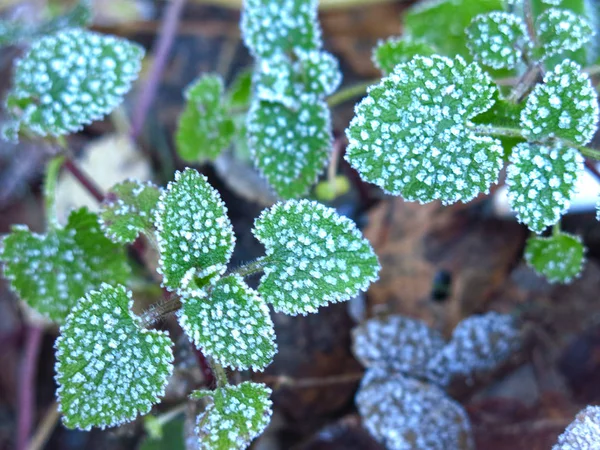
171	435
231	324
393	51
560	30
195	237
541	182
129	210
498	39
109	368
565	106
275	80
51	271
236	415
239	93
559	257
269	27
205	127
313	257
411	136
290	147
320	71
70	79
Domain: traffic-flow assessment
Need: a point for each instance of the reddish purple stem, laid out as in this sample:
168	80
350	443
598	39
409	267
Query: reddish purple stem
84	180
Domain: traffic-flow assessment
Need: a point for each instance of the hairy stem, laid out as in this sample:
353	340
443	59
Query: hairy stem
219	373
84	179
44	431
258	265
350	92
50	181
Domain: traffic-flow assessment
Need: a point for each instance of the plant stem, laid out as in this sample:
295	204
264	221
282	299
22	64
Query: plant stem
350	92
52	171
44	431
280	381
84	179
556	229
258	265
218	372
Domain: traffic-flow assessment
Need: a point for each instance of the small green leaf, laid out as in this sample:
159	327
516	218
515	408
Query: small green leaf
268	27
290	147
560	30
239	93
50	272
109	369
275	80
411	136
230	324
314	257
498	39
393	51
320	71
205	127
559	257
129	210
541	183
195	237
70	79
565	106
236	415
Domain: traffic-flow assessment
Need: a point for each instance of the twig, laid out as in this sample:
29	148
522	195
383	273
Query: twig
84	179
280	381
44	431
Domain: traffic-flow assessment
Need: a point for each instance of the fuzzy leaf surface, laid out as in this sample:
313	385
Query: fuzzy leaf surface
314	257
559	257
393	51
411	137
583	433
319	70
109	368
51	271
560	30
195	237
236	415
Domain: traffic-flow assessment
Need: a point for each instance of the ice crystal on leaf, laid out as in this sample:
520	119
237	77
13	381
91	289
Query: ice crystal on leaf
129	210
404	413
583	433
541	181
205	127
313	257
109	369
275	80
559	257
231	324
69	79
565	106
285	25
397	344
290	147
411	136
498	39
560	30
320	71
235	416
51	271
393	51
195	237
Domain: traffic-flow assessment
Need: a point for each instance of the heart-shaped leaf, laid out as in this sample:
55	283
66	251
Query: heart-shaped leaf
559	257
561	30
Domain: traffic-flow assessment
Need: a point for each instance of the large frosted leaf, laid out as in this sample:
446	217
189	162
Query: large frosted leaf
560	30
313	257
290	147
541	182
565	106
205	127
235	416
69	79
559	257
129	210
284	25
231	324
51	271
411	136
195	237
583	433
109	369
393	51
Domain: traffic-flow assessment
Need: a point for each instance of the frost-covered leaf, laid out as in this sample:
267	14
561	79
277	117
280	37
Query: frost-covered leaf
320	71
565	106
268	26
498	39
231	324
109	368
560	30
393	51
129	210
51	271
411	137
205	127
195	237
68	80
583	433
397	344
478	344
314	257
541	181
240	91
235	416
290	147
559	257
275	80
403	413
